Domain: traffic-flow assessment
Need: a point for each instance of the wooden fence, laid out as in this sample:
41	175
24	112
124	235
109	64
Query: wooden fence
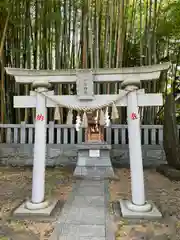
64	134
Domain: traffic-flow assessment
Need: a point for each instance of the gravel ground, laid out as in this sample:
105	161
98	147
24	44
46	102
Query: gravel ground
163	192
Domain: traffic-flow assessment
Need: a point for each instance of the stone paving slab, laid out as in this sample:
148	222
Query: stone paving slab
91	183
91	201
94	172
87	215
84	216
80	238
82	230
90	191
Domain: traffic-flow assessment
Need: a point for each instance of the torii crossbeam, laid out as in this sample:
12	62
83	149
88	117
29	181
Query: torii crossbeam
151	99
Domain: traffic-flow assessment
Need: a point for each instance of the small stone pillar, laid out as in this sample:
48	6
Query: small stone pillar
39	163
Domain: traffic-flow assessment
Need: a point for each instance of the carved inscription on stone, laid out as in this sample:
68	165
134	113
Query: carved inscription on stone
84	85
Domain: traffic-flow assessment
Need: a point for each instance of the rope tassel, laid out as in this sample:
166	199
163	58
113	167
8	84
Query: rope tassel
78	123
57	114
69	117
101	120
84	120
115	114
107	120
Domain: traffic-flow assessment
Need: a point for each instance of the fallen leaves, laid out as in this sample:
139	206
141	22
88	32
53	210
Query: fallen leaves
158	189
15	186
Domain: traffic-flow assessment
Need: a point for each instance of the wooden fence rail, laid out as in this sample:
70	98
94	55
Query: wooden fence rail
65	134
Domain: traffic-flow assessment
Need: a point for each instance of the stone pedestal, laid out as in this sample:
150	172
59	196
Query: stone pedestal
131	211
94	161
39	212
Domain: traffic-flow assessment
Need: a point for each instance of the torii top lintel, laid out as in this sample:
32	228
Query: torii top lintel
133	74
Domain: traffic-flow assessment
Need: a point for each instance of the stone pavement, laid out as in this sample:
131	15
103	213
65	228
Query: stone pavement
85	215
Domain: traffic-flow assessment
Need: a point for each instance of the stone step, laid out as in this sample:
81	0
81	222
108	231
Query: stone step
93	162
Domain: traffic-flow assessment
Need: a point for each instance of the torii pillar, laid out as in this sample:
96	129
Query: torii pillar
38	205
138	207
38	179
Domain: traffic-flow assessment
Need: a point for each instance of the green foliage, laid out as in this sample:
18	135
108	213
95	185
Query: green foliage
171	23
80	34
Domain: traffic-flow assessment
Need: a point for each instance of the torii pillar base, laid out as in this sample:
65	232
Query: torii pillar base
148	211
30	210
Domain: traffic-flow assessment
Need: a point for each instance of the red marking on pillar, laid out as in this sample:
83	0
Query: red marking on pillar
133	116
39	117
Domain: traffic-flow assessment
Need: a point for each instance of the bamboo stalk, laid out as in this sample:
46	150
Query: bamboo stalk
81	34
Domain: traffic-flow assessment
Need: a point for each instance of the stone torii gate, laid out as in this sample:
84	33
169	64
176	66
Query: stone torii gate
131	97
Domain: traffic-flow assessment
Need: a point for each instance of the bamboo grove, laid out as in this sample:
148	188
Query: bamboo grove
66	34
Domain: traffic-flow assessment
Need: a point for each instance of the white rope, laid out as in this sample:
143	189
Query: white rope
85	109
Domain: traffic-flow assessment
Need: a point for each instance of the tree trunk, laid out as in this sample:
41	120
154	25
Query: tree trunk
170	133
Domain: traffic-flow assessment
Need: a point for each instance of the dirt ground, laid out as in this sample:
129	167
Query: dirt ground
15	186
163	192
